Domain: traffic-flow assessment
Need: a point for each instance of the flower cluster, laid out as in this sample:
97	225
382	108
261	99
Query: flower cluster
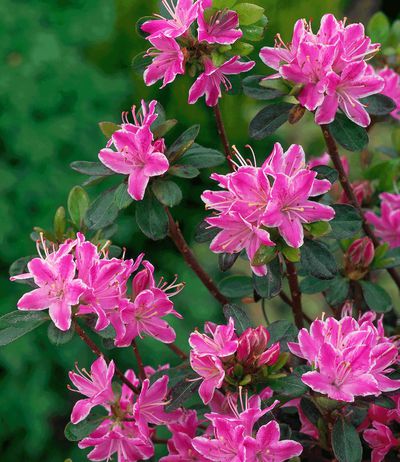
137	154
219	356
351	358
79	279
329	66
387	225
391	88
257	199
175	49
127	429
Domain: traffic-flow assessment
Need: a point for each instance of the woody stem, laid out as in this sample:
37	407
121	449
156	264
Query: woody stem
347	188
142	373
177	237
181	354
95	349
222	134
295	293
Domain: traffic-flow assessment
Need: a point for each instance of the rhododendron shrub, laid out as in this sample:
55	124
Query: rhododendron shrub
287	223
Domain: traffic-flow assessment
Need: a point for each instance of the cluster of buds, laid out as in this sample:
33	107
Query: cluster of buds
358	258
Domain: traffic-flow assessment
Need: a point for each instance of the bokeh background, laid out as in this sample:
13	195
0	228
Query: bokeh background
66	65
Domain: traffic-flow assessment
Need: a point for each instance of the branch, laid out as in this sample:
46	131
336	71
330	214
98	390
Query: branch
142	374
222	134
177	237
347	188
89	342
295	293
177	350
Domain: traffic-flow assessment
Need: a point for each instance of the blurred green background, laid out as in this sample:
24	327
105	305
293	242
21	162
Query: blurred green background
66	66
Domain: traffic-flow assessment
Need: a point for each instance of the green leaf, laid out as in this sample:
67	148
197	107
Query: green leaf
326	173
338	291
310	410
239	316
122	198
227	260
242	48
182	143
59	223
205	233
102	212
283	332
162	129
182	392
108	128
184	171
346	442
139	24
253	32
167	192
348	134
312	285
18	323
201	157
346	223
270	285
236	286
59	337
248	13
151	217
91	168
78	204
140	62
378	28
221	4
264	255
389	259
378	104
318	228
290	253
376	297
251	87
291	386
317	260
269	119
82	429
20	266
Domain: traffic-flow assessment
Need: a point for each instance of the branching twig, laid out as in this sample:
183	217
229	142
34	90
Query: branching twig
295	293
222	134
142	373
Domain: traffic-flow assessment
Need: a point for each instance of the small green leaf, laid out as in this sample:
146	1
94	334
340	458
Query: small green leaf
91	168
236	286
78	204
291	254
108	128
378	28
20	266
346	223
227	260
270	285
18	323
376	297
252	88
184	171
310	410
221	4
140	62
167	192
253	33
318	228
348	134
337	291
151	217
161	130
283	332
317	260
264	255
60	223
82	429
182	143
378	104
102	212
205	233
346	442
269	119
312	285
326	173
59	337
201	157
182	392
122	198
248	13
239	316
291	386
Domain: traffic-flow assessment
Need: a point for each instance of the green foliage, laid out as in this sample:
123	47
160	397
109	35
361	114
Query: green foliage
349	135
18	323
269	119
346	442
239	316
236	286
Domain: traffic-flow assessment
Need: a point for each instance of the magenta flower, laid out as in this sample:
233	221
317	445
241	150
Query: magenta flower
182	15
391	88
135	156
96	386
211	370
290	207
210	81
266	446
221	27
145	117
252	348
387	225
58	289
381	440
168	61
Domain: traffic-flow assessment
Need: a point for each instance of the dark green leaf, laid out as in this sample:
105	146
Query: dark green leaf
78	204
183	143
151	218
291	386
310	410
252	88
270	285
376	297
108	128
184	171
82	429
346	223
181	392
348	134
121	197
391	259
20	266
239	316
205	233
162	129
378	27
227	260
346	442
59	337
269	119
283	332
338	291
167	192
317	260
312	285
326	173
175	374
201	157
18	323
103	211
91	168
140	62
378	105
139	24
236	286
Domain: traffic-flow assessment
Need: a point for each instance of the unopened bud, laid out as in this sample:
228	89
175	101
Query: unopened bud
296	113
358	258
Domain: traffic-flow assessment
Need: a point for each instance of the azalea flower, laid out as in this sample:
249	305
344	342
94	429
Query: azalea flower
210	81
381	440
135	156
223	341
211	371
391	88
387	225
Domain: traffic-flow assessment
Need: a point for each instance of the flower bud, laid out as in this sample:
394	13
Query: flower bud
358	258
362	191
252	349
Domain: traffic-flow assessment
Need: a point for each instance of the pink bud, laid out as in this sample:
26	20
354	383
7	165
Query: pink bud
252	350
358	257
362	191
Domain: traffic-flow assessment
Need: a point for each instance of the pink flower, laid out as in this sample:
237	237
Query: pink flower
221	27
58	289
96	386
211	370
381	440
358	257
391	88
267	447
223	341
183	14
387	226
330	66
210	81
290	207
168	61
135	156
145	117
